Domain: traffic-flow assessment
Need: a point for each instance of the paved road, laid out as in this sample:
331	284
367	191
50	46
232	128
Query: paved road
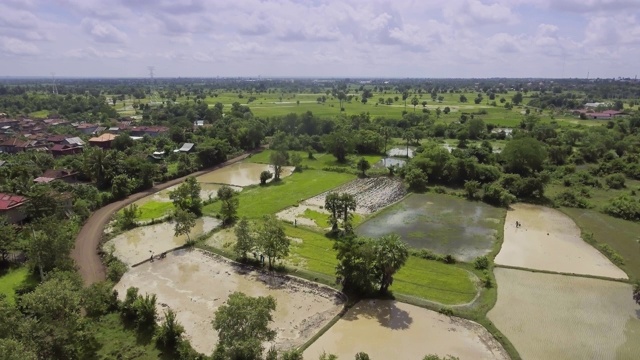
85	252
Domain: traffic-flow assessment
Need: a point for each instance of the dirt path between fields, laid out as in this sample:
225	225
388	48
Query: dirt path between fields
85	252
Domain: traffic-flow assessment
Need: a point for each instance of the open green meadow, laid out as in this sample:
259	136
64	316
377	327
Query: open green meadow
279	104
426	279
320	161
12	279
256	201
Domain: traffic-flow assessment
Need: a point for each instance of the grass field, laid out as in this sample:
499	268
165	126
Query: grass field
154	209
256	201
42	114
118	342
599	197
430	280
320	161
279	104
626	241
13	278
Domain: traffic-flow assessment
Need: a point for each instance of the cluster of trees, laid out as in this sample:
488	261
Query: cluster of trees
341	208
266	238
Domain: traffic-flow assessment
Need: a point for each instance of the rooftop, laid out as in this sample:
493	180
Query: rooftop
9	201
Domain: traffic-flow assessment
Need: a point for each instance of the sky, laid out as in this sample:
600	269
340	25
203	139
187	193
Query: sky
320	38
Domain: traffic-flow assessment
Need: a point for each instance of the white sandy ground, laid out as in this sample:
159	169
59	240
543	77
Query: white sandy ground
550	316
550	240
386	329
194	284
136	245
371	194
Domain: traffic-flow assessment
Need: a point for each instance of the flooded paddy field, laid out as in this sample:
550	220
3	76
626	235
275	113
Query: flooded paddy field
441	223
206	190
137	244
194	284
549	316
371	194
388	329
401	151
390	161
240	174
550	240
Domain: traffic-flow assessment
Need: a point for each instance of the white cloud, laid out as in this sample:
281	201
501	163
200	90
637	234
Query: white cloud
103	32
91	52
478	13
15	46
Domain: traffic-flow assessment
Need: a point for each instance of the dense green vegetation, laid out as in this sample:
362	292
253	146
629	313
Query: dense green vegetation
329	131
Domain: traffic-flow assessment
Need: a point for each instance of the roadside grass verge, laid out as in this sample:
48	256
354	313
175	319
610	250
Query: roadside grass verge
256	201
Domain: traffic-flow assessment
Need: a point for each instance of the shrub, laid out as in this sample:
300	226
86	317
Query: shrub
170	332
265	176
445	311
624	207
416	179
440	190
481	263
569	198
615	181
99	298
426	254
496	195
449	259
486	281
611	254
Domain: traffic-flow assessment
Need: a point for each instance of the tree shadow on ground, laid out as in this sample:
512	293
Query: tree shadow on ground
386	312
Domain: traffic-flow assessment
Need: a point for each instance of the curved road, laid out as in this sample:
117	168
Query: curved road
85	252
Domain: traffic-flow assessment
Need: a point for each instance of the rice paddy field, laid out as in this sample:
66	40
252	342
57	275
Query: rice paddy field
549	240
625	243
441	223
387	329
549	316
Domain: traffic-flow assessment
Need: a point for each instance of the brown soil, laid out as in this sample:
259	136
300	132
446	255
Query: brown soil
85	253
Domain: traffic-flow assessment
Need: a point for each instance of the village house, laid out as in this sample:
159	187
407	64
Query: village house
152	131
12	207
66	175
65	149
103	141
15	145
87	129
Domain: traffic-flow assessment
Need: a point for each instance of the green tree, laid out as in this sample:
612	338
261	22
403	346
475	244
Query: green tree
8	240
48	247
121	186
11	349
636	293
332	204
127	219
60	331
295	160
184	222
356	269
416	179
362	356
339	144
272	239
476	128
187	196
348	206
278	159
524	156
230	203
391	255
363	165
245	241
170	332
415	102
472	189
243	326
265	176
99	298
517	98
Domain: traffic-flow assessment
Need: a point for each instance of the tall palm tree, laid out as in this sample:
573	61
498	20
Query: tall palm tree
391	255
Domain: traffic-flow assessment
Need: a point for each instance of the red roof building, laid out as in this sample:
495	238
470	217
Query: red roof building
12	207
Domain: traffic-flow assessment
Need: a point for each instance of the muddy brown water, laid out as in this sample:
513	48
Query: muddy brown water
549	316
194	284
206	190
386	329
550	240
440	223
240	174
138	244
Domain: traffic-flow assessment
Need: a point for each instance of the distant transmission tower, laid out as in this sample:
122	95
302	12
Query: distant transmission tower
153	99
55	88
